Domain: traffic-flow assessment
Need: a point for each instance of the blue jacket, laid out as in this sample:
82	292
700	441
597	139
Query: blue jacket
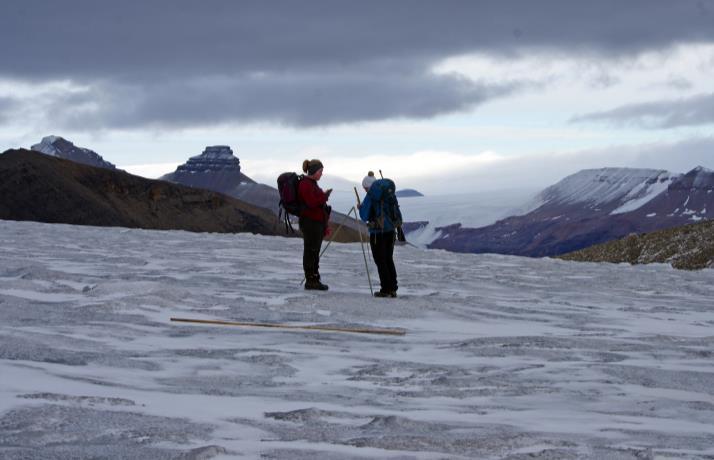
371	209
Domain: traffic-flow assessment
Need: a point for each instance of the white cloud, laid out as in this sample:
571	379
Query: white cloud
151	170
410	167
589	82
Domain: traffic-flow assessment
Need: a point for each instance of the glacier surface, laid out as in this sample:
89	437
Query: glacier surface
504	357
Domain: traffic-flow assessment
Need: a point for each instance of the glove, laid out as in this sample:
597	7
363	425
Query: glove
400	234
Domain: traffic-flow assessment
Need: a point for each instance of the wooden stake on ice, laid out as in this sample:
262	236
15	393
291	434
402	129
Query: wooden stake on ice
357	330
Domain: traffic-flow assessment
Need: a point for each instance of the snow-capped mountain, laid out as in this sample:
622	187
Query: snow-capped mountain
689	198
62	148
606	190
590	207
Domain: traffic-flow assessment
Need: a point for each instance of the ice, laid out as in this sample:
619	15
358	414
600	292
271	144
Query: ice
504	357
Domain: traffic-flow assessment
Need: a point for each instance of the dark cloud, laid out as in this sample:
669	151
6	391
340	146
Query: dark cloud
678	156
693	111
304	100
308	63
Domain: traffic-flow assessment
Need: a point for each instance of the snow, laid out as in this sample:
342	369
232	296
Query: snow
631	187
702	169
503	356
643	194
50	139
45	146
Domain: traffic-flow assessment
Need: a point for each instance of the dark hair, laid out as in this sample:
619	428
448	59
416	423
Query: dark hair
310	167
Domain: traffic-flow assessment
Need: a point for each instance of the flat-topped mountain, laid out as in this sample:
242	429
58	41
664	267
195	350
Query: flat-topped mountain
60	147
215	169
44	188
591	207
218	169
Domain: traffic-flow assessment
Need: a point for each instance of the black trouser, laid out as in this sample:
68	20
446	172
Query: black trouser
382	245
312	234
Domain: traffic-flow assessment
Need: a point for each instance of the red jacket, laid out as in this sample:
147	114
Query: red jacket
314	200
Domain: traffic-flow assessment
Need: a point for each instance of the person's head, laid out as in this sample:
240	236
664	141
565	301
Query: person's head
368	181
312	168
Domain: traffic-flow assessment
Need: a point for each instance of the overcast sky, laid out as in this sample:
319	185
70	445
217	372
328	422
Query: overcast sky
442	96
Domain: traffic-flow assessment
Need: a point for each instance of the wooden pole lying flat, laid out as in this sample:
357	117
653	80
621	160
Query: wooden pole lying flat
357	330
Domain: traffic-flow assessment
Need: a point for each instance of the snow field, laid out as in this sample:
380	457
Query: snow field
504	357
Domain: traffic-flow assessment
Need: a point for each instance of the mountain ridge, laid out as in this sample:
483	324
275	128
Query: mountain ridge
44	188
591	207
60	147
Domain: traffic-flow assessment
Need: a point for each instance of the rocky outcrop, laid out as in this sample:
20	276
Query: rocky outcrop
43	188
688	247
62	148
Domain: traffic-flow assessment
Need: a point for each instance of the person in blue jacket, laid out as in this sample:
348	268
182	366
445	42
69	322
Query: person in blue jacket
380	210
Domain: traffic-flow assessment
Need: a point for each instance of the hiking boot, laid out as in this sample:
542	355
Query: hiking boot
314	284
385	294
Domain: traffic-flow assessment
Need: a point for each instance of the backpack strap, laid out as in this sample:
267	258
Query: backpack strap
286	218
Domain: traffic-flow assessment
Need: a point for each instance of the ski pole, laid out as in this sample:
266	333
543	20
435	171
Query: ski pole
364	254
334	235
358	205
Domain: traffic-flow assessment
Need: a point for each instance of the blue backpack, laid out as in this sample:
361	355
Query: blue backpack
385	214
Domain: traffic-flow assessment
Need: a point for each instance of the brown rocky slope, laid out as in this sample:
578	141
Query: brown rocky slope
42	188
689	247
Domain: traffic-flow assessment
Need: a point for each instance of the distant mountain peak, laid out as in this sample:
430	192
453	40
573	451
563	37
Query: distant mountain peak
698	178
218	152
60	147
215	158
408	193
47	146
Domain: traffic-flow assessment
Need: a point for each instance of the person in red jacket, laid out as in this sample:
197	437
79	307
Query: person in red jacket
314	217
